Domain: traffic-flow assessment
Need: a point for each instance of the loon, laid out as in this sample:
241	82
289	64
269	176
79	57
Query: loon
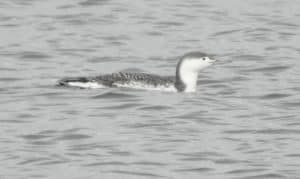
185	80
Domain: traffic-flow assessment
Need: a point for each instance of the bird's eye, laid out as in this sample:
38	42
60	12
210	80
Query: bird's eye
204	58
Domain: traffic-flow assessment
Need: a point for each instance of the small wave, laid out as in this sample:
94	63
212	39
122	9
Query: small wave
136	173
93	2
227	32
198	170
113	163
113	95
73	137
155	108
275	96
269	69
33	55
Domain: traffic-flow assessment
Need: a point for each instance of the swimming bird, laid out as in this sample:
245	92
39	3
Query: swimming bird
185	79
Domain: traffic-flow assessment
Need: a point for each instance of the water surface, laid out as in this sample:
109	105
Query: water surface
243	122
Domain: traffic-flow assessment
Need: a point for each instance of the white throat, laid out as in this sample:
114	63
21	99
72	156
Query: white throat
189	78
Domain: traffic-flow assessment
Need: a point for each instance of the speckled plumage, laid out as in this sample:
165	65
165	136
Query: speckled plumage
123	77
113	79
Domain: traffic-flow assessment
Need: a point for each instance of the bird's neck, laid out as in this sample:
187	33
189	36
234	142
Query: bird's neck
189	78
186	81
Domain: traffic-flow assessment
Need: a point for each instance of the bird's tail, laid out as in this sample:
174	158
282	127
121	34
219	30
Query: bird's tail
72	80
84	82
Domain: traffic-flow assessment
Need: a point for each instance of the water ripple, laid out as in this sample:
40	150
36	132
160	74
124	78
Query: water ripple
275	96
33	55
268	175
145	174
94	2
274	69
114	95
198	170
73	137
265	131
227	32
116	163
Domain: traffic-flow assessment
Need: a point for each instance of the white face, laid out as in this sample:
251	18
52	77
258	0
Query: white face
196	64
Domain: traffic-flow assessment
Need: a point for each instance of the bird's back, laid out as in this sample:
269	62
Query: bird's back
125	77
122	79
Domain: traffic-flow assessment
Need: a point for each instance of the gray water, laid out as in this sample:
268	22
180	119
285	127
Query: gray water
243	121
